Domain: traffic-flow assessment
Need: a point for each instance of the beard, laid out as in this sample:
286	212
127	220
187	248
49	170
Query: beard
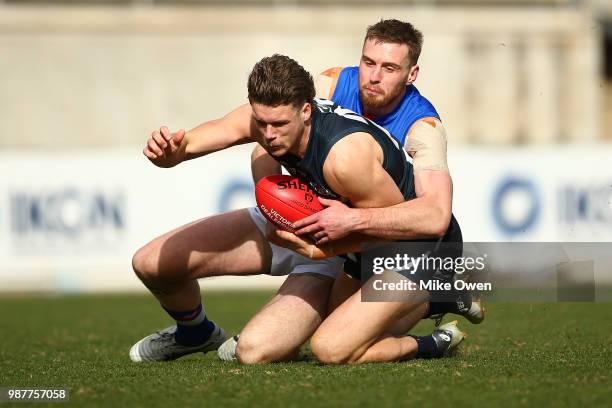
379	101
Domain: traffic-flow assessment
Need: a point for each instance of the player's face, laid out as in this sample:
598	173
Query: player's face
279	129
384	72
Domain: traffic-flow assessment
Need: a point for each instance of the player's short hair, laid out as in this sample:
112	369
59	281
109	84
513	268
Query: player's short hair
397	32
280	80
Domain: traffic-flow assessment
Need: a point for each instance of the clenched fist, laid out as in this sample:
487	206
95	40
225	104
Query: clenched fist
165	149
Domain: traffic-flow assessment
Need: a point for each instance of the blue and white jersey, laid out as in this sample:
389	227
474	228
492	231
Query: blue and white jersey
412	108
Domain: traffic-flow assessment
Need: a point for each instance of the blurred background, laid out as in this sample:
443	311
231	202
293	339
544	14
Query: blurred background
524	88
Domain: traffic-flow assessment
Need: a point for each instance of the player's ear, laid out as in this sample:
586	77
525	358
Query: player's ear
306	111
412	74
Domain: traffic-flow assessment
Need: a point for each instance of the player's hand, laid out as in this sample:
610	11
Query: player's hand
297	244
165	149
334	222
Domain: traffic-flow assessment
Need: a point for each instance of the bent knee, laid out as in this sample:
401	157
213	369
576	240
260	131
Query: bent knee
328	351
145	264
251	351
259	350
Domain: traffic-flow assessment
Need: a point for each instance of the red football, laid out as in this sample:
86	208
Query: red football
284	200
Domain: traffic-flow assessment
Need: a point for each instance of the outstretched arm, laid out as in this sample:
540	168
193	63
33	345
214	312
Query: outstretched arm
166	149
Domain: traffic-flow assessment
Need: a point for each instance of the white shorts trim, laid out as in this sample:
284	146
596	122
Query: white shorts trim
287	262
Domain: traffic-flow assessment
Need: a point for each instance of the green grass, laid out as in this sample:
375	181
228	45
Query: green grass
539	354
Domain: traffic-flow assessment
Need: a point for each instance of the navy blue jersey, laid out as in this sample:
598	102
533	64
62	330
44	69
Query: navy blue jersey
329	124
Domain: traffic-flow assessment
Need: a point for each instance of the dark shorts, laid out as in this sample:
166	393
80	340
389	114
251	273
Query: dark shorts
450	246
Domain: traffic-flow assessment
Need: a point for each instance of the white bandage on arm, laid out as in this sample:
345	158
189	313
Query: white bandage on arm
426	143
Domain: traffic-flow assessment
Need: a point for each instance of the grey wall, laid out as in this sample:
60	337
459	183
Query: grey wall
107	76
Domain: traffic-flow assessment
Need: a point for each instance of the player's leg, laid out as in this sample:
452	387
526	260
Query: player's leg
455	301
346	285
291	317
442	340
287	321
278	330
349	331
374	340
225	244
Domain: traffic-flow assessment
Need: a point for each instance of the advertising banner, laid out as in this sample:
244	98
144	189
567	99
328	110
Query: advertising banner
71	221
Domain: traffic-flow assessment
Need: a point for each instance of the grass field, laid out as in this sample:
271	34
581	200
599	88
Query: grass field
531	355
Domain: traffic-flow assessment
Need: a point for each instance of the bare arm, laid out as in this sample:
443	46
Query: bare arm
166	149
426	216
365	185
262	164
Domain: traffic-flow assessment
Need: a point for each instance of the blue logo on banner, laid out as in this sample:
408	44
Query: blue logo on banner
589	204
527	191
68	212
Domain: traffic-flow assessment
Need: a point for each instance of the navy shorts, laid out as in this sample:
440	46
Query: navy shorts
450	246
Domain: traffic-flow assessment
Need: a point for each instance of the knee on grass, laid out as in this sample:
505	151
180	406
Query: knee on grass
328	351
254	350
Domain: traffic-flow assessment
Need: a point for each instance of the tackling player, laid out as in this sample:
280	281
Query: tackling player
382	89
284	119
